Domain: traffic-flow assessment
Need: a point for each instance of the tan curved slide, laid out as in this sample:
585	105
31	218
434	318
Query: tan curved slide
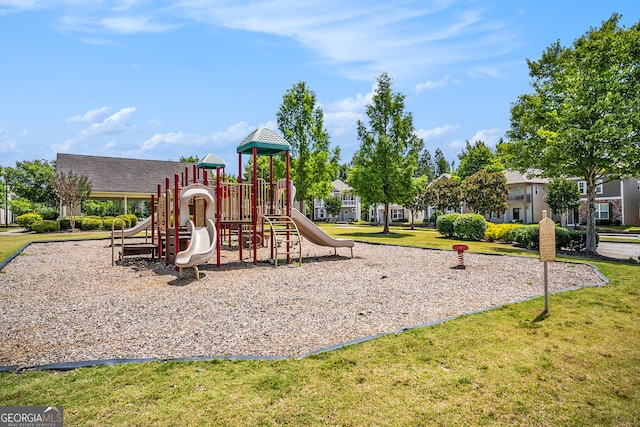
202	246
140	226
310	231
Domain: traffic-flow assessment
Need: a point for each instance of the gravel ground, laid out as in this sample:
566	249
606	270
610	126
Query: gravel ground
64	302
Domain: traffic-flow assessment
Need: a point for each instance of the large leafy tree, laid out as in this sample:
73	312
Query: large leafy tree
416	200
333	206
475	157
32	180
384	165
562	194
313	165
425	166
440	163
486	192
72	190
583	116
445	193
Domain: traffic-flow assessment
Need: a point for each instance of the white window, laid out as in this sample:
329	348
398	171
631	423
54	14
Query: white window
582	186
599	186
495	215
517	191
602	210
397	213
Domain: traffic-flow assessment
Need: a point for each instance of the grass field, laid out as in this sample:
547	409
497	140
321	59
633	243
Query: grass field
580	365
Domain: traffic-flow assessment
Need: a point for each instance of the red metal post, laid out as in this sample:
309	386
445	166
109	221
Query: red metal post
167	203
218	200
176	223
254	205
239	205
288	198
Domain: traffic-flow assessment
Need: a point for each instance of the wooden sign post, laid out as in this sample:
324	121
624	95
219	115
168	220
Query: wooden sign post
547	233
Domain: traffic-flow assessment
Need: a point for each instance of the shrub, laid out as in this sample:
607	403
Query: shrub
434	216
562	238
578	240
527	236
469	227
26	220
45	211
46	226
500	232
65	223
444	224
21	206
91	224
133	220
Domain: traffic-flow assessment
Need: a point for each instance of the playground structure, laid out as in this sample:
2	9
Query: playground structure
195	215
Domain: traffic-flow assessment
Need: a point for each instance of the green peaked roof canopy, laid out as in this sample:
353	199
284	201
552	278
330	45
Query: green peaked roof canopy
266	141
211	161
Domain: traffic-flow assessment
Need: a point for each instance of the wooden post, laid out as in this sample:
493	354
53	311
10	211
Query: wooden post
547	244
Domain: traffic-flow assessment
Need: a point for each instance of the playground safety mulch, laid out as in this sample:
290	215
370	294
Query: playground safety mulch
65	302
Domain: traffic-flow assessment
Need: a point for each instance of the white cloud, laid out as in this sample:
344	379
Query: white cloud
117	123
90	116
489	136
155	122
171	138
134	24
432	85
341	116
458	143
234	133
436	132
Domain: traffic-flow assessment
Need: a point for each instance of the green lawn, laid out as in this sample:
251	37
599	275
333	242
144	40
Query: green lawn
578	366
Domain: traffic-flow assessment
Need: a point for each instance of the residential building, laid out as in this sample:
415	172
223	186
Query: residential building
525	201
617	202
351	208
397	213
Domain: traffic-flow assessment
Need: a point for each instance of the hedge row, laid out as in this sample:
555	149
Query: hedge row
35	222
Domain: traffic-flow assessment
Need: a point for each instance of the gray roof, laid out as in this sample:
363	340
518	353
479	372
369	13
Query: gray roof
211	161
340	185
515	177
121	175
266	141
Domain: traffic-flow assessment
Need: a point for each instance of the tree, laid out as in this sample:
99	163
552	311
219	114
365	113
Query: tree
562	194
425	166
486	192
583	117
313	166
72	190
333	206
416	199
32	180
384	165
190	159
440	163
445	193
474	158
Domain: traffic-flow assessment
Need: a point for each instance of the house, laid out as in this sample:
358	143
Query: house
525	201
115	178
617	202
351	208
397	213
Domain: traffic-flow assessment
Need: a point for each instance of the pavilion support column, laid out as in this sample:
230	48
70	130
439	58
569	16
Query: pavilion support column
125	205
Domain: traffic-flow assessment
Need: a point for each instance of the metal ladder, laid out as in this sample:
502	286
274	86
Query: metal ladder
284	236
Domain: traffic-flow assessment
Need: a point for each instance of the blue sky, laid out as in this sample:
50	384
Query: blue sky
165	79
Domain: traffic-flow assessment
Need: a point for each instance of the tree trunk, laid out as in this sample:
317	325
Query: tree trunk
592	244
413	217
386	218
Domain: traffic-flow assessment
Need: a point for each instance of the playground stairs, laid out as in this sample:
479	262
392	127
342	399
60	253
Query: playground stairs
285	237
